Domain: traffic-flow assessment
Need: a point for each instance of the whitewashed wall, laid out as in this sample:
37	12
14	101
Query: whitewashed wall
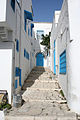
67	38
14	24
2	10
60	34
6	67
2	115
74	56
53	37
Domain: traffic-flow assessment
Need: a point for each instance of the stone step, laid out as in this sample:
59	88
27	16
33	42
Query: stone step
42	85
42	80
59	117
39	77
41	72
42	95
38	108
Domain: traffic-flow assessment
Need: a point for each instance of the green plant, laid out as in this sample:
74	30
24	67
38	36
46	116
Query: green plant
61	92
46	41
3	106
8	106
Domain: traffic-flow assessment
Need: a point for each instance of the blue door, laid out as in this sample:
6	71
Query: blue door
54	59
39	59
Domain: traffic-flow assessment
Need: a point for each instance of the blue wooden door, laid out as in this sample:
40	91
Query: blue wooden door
54	59
39	59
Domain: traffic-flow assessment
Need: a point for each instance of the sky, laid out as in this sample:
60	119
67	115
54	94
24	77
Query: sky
44	9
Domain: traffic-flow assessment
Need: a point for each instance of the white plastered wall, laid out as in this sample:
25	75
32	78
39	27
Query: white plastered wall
3	10
13	24
74	56
6	67
68	38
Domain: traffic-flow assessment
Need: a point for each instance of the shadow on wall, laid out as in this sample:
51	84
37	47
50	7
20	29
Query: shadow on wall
33	76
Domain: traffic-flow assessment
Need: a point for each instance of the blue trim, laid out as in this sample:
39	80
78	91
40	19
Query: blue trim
20	78
17	45
54	58
25	24
13	5
18	74
26	54
54	43
28	15
32	26
17	71
40	30
39	59
63	62
54	63
16	84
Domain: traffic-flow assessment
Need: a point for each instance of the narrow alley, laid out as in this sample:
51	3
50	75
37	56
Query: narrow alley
43	99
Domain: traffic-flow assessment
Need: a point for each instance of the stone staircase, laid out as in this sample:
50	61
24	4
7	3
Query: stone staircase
43	100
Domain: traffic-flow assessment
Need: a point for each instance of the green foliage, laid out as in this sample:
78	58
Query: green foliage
61	92
3	106
46	41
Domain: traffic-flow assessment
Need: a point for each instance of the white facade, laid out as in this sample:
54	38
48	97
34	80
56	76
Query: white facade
42	28
67	37
17	42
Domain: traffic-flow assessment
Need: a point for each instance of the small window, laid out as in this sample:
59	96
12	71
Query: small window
63	63
13	5
40	33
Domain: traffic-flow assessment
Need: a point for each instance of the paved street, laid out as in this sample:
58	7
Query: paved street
43	99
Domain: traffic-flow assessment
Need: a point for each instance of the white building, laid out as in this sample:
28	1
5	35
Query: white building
41	56
65	47
17	44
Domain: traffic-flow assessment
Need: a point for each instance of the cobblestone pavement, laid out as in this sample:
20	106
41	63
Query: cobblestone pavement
43	99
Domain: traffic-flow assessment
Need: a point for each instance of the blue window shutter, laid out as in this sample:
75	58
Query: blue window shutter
16	84
17	45
16	71
28	15
26	54
25	24
32	26
13	5
20	78
63	63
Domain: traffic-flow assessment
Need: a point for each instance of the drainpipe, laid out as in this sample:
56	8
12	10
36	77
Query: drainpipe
20	36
